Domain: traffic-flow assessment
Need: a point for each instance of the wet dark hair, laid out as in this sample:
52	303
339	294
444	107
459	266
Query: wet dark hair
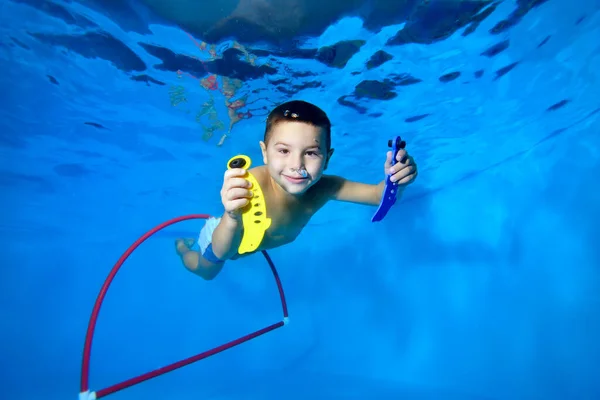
300	111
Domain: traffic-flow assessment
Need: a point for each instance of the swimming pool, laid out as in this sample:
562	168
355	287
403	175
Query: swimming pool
481	283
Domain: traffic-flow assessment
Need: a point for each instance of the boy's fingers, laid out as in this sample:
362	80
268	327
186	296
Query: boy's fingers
401	155
238	183
388	159
407	179
403	172
400	166
238	203
234	172
238	193
408	161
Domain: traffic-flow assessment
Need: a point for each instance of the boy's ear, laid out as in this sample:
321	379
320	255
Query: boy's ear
329	154
263	149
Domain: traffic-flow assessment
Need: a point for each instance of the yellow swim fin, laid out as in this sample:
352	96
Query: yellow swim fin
254	215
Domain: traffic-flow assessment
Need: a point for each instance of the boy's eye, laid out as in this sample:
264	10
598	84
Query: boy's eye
310	153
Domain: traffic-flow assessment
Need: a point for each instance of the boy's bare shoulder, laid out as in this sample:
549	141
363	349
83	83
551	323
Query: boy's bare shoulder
261	174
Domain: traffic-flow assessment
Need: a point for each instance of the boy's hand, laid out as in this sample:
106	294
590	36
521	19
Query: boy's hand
235	193
405	170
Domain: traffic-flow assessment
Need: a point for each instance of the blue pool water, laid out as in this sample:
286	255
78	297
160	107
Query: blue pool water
483	282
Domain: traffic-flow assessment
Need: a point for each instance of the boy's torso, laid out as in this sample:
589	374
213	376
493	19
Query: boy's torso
288	218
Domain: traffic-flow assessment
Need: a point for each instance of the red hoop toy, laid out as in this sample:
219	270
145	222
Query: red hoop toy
86	394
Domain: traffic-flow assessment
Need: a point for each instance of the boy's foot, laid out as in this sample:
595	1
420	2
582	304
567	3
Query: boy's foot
183	245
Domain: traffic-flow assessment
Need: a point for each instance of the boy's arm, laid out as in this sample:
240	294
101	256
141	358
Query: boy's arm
342	189
227	237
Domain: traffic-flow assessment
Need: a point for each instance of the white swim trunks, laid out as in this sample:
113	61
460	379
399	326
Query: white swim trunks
205	240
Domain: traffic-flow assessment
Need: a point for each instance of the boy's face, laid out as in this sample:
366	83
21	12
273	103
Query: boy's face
293	146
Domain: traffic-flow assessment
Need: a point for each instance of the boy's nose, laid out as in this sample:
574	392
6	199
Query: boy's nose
297	163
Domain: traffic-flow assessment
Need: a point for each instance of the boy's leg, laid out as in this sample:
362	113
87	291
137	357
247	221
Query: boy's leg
207	267
194	261
189	257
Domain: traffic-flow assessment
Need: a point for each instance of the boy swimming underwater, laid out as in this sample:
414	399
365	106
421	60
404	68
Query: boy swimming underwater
296	151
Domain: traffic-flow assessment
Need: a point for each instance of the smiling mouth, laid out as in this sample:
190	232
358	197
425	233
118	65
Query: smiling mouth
295	179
